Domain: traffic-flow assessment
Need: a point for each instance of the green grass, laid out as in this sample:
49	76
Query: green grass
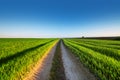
103	43
13	46
111	52
105	66
18	56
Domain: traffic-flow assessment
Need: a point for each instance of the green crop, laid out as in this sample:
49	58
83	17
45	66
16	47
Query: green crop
18	56
99	62
111	52
102	43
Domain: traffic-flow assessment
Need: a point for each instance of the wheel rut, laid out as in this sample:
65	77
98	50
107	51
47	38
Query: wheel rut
74	70
42	71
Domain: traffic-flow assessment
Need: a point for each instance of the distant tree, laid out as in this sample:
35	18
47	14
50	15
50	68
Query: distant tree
82	36
118	38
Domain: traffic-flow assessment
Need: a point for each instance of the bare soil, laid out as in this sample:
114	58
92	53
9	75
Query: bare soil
42	70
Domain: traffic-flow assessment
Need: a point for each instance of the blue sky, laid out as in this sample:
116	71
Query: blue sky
59	18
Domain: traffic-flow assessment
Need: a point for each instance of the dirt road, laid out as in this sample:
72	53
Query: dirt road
74	70
43	69
43	73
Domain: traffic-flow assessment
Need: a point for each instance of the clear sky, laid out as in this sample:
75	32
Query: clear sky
59	18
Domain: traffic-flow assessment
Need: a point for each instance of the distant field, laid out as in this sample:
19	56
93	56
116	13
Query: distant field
103	38
102	57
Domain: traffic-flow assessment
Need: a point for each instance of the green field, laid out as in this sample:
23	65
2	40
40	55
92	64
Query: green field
18	56
102	57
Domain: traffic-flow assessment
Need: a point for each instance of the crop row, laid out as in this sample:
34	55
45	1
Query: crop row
102	43
103	50
19	65
105	67
10	47
108	42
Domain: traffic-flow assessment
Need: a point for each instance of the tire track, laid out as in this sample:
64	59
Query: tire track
42	71
74	70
